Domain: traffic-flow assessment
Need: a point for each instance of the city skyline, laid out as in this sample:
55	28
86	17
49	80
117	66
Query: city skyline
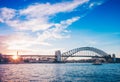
41	27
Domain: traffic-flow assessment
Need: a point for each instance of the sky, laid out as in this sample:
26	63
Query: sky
44	26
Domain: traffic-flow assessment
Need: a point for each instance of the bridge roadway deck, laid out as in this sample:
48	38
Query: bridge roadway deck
51	56
30	55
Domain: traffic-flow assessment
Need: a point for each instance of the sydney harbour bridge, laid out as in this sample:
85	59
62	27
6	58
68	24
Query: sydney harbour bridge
81	52
64	56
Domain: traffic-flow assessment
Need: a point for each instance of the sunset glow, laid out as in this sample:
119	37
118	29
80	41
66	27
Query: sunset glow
14	57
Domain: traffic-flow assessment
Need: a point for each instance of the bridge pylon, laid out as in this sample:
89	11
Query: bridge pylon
58	56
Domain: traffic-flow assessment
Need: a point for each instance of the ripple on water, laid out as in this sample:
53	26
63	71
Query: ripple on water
72	72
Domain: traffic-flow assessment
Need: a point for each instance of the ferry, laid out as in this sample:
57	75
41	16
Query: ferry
97	62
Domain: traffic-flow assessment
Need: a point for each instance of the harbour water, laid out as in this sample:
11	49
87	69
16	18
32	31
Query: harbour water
69	72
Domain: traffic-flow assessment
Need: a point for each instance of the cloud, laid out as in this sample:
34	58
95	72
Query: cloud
93	4
3	45
7	14
26	42
50	9
33	24
59	30
1	21
36	17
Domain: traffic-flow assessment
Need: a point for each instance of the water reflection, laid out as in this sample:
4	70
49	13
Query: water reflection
74	72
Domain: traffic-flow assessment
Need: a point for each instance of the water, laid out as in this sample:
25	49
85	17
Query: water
70	72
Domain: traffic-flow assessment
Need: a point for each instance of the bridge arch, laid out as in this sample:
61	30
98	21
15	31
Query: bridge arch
76	50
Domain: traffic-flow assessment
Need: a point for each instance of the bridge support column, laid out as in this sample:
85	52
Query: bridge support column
58	56
114	58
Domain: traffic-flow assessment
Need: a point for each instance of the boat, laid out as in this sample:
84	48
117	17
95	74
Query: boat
97	62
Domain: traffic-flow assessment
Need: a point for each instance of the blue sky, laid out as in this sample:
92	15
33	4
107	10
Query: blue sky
43	26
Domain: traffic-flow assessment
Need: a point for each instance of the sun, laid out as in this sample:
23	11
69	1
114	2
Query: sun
15	57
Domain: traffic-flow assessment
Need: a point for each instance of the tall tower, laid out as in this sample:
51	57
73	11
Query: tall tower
114	58
17	53
58	56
